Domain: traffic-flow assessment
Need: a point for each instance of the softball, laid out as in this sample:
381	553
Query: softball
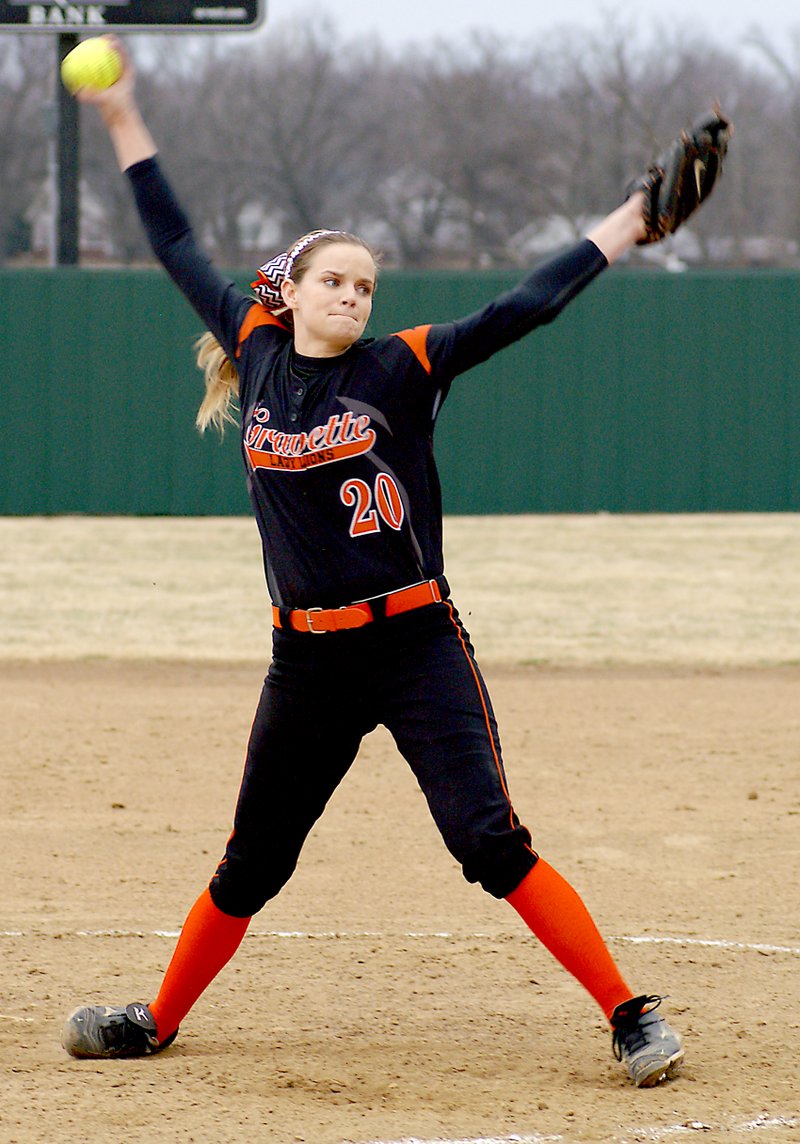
93	63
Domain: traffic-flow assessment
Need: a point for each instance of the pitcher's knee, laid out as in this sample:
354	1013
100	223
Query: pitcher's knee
500	864
241	891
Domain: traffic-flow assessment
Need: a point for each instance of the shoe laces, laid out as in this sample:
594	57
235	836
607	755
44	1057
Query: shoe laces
115	1031
630	1033
122	1034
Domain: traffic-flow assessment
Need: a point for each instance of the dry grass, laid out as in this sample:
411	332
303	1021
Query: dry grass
699	590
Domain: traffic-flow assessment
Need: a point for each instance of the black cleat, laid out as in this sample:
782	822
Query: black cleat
650	1050
101	1031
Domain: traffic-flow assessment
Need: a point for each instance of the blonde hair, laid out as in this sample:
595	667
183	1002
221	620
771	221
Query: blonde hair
304	249
221	379
222	385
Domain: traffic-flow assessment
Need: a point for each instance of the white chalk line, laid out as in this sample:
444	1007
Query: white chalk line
414	935
758	947
653	1134
515	1139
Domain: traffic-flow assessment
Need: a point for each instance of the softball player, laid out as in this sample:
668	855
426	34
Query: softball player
336	434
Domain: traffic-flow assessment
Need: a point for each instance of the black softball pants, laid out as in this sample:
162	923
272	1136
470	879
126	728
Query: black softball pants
416	674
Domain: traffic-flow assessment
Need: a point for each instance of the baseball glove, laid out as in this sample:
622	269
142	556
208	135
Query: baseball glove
683	176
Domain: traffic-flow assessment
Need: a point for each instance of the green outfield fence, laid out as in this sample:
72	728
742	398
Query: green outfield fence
653	392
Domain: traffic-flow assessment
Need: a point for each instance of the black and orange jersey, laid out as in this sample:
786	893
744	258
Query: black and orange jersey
339	451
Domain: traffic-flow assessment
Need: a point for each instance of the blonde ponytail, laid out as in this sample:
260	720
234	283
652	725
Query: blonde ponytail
222	384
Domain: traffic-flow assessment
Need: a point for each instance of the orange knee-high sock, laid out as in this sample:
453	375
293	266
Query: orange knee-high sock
208	941
553	911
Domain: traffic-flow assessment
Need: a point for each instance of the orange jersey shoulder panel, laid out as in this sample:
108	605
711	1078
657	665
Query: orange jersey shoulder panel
417	342
257	316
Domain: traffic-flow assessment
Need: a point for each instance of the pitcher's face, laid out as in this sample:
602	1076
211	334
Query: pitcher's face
332	302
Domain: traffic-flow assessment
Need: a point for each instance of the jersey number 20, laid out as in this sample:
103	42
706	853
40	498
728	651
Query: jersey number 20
370	509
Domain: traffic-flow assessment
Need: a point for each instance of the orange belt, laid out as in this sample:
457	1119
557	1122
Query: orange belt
319	620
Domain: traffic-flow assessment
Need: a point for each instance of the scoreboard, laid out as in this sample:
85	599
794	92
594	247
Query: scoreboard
128	15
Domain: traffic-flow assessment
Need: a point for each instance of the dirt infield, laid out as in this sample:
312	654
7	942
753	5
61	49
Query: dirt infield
646	680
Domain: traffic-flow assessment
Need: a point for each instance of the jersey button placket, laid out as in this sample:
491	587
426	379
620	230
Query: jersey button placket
295	399
298	393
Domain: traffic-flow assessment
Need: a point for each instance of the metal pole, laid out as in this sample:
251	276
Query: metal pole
67	205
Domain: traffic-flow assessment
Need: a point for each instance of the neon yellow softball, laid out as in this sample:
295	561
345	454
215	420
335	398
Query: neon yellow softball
93	63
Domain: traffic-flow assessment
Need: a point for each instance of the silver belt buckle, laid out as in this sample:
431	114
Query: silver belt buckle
311	628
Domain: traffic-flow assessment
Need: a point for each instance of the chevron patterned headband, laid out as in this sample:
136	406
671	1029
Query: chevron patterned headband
267	286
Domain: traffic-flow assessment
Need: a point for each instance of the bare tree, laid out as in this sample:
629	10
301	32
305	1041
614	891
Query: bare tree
441	157
481	143
25	101
619	101
310	126
780	124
